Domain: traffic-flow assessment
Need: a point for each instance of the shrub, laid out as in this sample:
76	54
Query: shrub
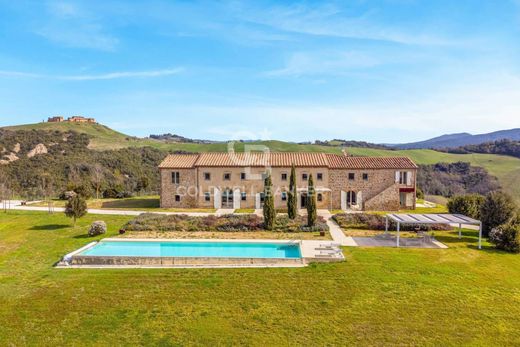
498	209
468	205
66	195
97	228
114	193
506	237
83	190
419	193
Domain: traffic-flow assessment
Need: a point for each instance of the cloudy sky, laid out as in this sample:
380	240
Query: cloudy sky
380	71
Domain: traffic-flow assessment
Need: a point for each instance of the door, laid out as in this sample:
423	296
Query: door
402	199
227	198
303	200
343	200
351	199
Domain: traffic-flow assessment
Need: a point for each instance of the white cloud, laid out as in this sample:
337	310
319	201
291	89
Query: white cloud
106	76
328	20
72	25
313	63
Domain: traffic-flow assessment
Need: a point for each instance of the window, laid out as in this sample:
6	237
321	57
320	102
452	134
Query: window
262	197
207	176
403	177
284	196
319	175
365	177
207	196
305	177
351	176
244	196
242	175
175	177
320	197
284	176
177	198
227	176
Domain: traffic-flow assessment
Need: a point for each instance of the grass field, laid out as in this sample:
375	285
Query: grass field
139	203
379	296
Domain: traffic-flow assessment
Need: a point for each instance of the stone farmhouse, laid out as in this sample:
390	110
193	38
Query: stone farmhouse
236	180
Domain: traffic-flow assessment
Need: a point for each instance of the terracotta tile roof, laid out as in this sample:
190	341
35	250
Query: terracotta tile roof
263	159
281	159
346	162
179	161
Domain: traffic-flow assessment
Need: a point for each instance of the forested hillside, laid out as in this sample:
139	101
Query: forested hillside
503	147
63	161
455	179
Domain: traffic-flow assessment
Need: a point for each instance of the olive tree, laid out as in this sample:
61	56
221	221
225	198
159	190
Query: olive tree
76	207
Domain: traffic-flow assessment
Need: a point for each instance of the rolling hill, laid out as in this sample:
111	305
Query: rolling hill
461	139
505	168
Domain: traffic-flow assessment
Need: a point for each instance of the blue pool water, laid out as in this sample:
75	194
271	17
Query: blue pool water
193	249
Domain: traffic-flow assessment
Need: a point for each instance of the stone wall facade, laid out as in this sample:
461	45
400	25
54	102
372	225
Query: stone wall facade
183	191
200	186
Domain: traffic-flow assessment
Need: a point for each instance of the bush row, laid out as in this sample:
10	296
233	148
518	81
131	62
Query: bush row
230	223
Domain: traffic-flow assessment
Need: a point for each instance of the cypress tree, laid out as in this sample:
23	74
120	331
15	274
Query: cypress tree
292	202
311	203
269	211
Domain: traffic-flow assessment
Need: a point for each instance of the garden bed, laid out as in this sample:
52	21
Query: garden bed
225	223
366	221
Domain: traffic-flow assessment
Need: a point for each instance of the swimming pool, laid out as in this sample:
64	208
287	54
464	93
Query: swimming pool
183	249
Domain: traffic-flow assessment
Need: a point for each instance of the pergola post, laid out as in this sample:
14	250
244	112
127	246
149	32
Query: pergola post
398	229
480	235
460	231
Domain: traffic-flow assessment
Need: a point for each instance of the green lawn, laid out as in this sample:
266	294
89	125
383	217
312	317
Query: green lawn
379	296
140	203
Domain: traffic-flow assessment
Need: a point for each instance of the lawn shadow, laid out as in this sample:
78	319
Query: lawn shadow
50	227
131	203
82	236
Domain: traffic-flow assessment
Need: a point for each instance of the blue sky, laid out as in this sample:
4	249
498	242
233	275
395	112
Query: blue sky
381	71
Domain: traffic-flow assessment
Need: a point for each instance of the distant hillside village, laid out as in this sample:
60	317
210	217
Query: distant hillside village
73	119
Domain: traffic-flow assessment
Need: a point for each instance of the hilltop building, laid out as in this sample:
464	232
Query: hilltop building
73	119
235	180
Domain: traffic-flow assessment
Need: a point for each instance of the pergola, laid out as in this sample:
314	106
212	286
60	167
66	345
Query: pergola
443	218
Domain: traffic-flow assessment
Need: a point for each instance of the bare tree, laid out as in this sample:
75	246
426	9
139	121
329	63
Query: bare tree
97	177
5	193
47	188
